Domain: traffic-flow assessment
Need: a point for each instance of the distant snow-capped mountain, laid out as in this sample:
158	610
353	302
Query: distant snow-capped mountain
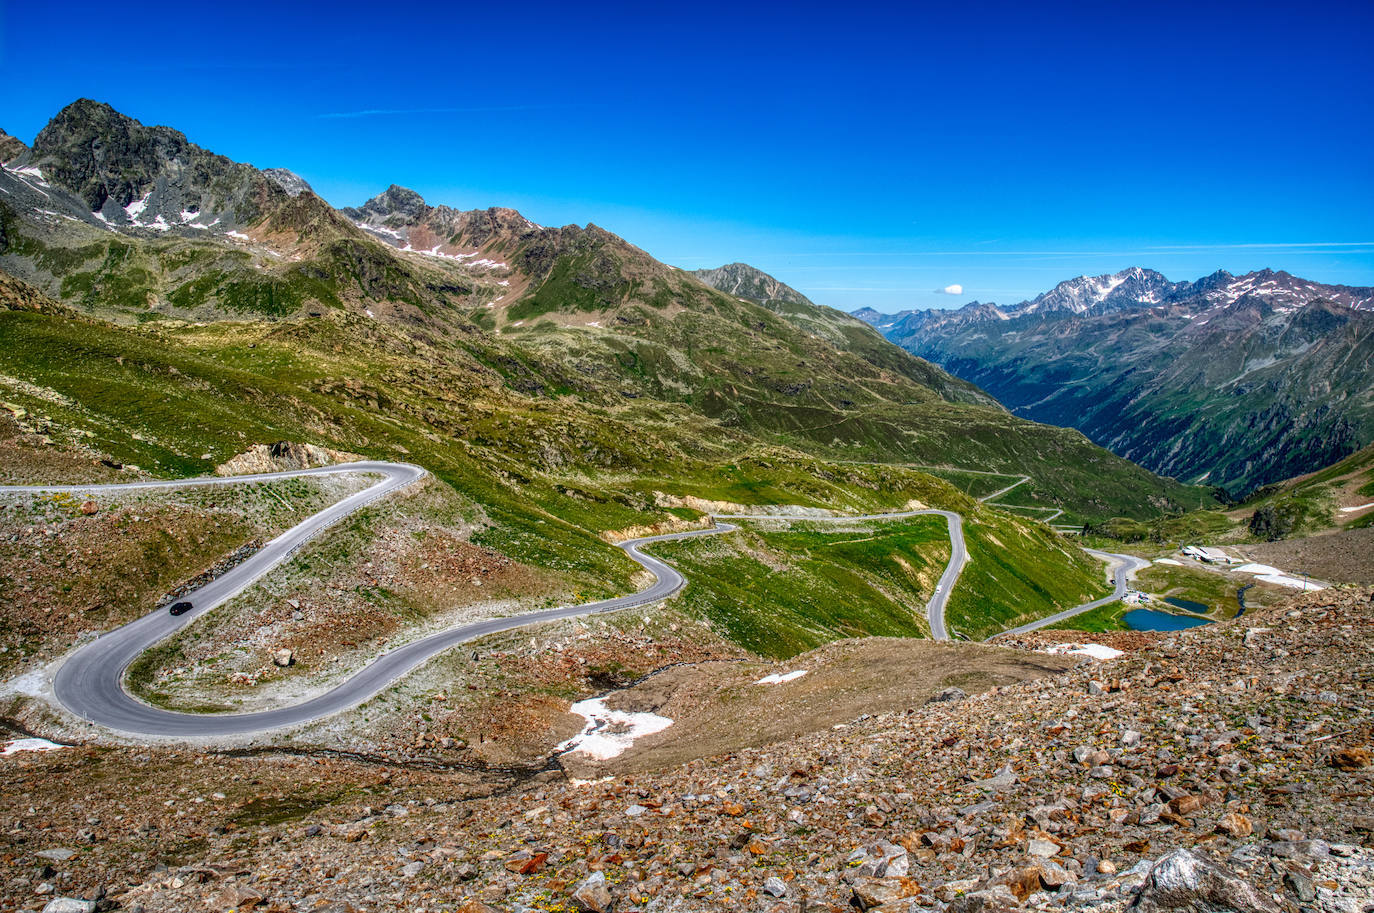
1233	380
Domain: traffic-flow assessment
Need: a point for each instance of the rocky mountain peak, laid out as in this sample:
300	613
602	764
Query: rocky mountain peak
145	177
288	180
11	147
394	206
751	283
1134	285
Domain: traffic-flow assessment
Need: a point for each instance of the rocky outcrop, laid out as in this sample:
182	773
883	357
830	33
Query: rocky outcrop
11	147
282	456
292	183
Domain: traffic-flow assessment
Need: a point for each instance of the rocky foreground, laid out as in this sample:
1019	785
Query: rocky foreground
1221	768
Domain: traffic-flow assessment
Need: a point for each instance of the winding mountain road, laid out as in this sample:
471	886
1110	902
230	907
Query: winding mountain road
90	682
1121	568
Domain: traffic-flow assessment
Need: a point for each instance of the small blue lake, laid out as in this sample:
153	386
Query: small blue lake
1188	604
1152	620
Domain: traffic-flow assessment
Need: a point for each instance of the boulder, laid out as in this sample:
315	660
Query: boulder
949	694
1185	882
283	657
69	905
592	895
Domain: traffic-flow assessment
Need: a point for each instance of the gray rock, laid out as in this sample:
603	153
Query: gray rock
69	905
775	886
1185	882
592	895
968	811
57	854
1150	813
1301	886
995	898
411	869
1004	779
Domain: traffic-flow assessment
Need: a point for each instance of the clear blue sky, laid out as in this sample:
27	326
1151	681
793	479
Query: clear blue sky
867	154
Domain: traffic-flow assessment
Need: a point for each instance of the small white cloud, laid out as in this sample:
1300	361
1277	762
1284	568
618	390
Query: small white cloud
955	289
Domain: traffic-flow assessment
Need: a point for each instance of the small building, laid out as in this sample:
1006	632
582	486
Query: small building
1208	555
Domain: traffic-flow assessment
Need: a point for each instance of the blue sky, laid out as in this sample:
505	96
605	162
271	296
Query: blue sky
866	154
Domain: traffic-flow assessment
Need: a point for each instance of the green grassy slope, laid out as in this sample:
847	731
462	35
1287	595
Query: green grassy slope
1018	571
783	592
547	481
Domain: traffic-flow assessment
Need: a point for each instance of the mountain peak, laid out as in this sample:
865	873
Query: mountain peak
750	283
11	147
148	177
1134	285
289	181
394	201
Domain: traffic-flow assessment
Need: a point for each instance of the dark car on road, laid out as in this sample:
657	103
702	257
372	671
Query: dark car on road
179	608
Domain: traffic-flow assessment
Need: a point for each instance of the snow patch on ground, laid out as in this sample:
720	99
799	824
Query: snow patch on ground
238	234
609	733
17	745
778	679
1096	651
1293	582
1169	561
379	229
1258	569
1351	510
135	209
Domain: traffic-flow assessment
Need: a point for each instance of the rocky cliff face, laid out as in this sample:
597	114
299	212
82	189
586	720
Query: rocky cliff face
1233	381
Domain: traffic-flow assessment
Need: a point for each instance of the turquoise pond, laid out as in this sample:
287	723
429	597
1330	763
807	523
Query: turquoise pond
1188	604
1153	620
